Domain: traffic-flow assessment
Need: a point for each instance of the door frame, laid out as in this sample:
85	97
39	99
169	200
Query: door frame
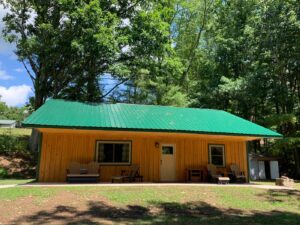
160	159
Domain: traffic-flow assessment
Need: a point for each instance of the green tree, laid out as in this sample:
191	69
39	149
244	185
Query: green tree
13	113
42	46
156	69
189	25
67	45
248	64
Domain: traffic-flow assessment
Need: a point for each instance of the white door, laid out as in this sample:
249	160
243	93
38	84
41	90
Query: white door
261	170
274	169
167	163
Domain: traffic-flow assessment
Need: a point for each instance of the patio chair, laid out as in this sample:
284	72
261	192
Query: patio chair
129	175
212	173
79	172
237	175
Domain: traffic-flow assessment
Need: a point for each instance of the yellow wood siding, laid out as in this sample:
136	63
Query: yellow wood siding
60	147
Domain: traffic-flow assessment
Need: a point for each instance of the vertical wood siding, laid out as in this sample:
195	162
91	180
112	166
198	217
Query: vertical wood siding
59	149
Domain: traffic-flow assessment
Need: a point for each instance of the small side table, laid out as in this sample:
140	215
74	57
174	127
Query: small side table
223	180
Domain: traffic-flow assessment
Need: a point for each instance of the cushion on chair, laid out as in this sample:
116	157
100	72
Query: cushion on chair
93	167
74	168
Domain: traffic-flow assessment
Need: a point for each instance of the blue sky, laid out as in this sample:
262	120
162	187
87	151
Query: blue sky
15	84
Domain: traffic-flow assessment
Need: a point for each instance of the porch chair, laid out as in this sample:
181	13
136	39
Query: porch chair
237	175
129	175
80	172
212	173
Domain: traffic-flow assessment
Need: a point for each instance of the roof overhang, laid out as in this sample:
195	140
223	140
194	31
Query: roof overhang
62	114
63	129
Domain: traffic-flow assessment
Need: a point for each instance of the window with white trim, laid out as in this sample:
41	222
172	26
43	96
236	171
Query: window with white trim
217	155
113	152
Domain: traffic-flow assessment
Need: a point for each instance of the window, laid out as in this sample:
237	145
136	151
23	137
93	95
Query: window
217	155
167	150
113	152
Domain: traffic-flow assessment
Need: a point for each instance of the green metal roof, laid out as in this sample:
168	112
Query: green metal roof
68	114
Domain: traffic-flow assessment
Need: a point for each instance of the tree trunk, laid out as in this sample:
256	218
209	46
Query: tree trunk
91	76
39	96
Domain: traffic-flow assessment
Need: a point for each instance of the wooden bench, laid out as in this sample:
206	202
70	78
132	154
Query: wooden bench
79	172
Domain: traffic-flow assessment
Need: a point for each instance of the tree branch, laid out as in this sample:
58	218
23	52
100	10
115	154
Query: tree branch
195	45
30	75
114	87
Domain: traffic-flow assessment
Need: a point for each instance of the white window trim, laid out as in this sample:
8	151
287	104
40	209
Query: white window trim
209	153
113	142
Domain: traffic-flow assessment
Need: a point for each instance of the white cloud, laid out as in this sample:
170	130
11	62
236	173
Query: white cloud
19	70
4	75
15	95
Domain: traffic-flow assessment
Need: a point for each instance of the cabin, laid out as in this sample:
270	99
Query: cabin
164	141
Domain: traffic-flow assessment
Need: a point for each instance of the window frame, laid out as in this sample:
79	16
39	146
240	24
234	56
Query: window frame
210	156
173	149
113	142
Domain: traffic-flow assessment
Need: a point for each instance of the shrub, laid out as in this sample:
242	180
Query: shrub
3	173
10	143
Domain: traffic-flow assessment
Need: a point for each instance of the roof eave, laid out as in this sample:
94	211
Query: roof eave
27	125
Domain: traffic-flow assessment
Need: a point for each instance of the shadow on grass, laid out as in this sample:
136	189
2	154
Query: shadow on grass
199	212
280	195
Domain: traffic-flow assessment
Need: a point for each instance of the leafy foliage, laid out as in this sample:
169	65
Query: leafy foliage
11	143
3	173
249	65
13	113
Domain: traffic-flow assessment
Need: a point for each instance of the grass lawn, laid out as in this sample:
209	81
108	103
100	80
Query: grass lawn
16	131
149	205
15	181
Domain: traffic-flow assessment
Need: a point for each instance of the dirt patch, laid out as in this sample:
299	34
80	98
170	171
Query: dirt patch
65	207
19	166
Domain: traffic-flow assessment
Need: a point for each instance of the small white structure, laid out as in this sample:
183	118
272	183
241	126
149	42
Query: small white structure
8	123
263	167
